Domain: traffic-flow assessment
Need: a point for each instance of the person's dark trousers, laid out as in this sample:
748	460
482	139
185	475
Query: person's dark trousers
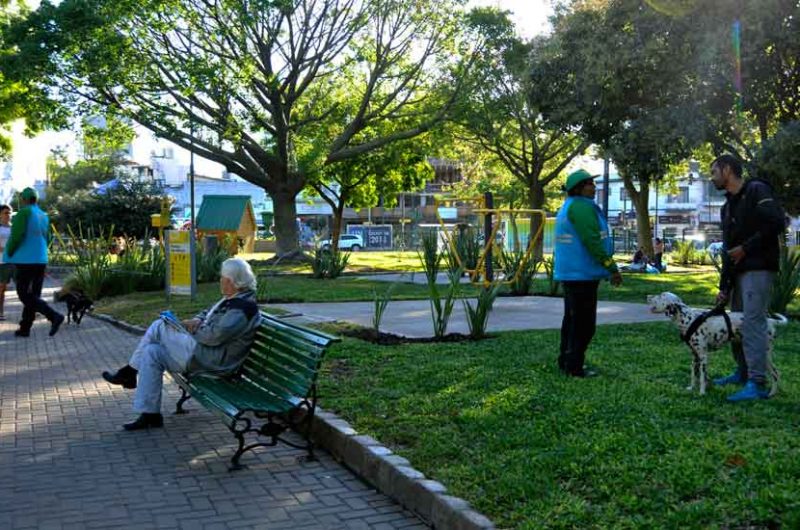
29	289
578	325
658	259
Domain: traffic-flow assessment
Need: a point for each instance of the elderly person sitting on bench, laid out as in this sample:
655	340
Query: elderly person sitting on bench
214	342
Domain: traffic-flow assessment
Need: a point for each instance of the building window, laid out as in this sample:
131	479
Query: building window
682	196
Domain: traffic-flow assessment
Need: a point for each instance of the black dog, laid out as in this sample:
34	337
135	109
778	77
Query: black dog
77	305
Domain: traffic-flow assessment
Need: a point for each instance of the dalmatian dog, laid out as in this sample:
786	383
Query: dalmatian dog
711	335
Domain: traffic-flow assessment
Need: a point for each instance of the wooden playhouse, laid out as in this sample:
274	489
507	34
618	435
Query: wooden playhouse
231	219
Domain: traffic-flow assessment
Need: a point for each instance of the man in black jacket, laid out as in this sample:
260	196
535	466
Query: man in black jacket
752	222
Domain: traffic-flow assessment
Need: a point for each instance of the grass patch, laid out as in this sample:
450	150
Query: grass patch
142	308
496	423
698	289
359	262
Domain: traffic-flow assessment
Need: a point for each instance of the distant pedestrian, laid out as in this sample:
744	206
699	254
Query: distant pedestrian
6	269
658	254
27	250
583	257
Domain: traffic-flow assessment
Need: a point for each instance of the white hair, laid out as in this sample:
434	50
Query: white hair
239	272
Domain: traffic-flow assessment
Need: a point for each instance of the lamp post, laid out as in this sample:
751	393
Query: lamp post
655	224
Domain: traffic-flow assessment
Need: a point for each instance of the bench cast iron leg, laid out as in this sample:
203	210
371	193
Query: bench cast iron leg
235	465
179	407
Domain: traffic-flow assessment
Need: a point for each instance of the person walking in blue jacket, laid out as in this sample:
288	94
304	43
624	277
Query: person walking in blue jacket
583	257
27	250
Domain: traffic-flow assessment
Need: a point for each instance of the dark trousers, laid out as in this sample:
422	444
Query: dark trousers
29	280
578	325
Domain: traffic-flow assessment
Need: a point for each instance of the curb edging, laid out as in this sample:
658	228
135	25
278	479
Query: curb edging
379	466
393	476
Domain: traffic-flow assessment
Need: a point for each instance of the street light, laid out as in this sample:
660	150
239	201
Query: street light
655	225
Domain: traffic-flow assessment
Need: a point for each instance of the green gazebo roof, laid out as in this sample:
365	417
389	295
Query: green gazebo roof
223	212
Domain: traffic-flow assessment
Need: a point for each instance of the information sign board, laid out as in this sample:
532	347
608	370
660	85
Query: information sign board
180	262
374	236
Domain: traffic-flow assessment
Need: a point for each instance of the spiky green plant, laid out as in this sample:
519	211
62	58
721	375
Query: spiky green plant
381	301
787	280
478	316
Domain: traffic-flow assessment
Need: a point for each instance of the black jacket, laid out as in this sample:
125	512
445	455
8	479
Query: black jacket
753	219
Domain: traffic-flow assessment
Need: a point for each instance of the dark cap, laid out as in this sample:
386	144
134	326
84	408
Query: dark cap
29	194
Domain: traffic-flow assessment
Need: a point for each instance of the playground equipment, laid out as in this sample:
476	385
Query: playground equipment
492	221
161	220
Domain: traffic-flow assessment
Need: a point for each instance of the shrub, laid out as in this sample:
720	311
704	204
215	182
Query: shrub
93	263
429	255
684	253
787	280
478	316
329	263
209	263
442	306
511	262
468	246
381	301
550	271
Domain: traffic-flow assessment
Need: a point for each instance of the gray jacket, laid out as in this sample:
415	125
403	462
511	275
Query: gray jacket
224	337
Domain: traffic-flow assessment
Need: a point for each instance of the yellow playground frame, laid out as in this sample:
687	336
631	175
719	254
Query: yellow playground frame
489	241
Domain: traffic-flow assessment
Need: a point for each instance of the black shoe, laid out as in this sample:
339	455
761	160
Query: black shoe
145	421
125	376
56	323
22	333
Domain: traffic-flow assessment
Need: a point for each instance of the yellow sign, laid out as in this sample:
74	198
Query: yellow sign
180	262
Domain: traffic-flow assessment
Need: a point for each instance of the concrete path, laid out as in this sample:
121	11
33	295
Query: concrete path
412	318
66	463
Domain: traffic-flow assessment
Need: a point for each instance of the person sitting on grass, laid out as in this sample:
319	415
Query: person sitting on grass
214	342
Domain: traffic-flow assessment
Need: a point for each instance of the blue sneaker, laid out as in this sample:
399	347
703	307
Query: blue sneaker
734	379
750	392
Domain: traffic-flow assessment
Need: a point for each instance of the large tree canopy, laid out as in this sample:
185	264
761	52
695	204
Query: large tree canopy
626	75
271	89
499	116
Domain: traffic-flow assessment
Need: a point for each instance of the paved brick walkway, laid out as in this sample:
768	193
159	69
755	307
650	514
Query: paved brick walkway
66	463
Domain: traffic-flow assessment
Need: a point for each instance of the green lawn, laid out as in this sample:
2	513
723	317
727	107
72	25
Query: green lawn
142	308
496	423
389	261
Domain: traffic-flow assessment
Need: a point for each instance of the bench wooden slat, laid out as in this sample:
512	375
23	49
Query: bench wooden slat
242	395
296	349
302	365
306	359
266	371
312	335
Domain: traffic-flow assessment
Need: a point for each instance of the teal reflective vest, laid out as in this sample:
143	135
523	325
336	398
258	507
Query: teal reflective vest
33	248
572	260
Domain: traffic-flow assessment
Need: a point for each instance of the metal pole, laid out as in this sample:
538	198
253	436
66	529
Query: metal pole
655	227
605	186
487	234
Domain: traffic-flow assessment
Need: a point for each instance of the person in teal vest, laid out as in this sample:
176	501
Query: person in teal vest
27	250
583	256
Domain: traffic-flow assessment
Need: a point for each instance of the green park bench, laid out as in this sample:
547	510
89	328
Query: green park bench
276	385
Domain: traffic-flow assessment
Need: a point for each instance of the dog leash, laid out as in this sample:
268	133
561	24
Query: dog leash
717	310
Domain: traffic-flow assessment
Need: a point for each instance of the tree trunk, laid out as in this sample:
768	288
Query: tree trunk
644	231
286	231
336	229
535	202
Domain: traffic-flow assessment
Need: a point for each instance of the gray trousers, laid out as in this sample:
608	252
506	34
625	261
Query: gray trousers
162	348
751	296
